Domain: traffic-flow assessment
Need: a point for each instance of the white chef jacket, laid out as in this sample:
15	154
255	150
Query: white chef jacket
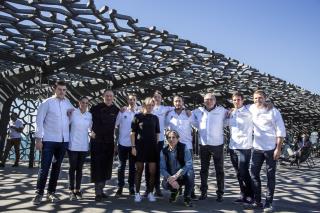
160	111
182	124
52	122
210	125
241	128
124	120
80	125
267	126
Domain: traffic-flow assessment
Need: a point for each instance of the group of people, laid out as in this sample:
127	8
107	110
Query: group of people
158	139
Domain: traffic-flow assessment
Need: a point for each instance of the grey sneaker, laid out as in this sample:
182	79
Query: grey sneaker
268	207
37	199
52	197
72	196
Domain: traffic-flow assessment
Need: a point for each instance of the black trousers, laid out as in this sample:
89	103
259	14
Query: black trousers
76	161
216	152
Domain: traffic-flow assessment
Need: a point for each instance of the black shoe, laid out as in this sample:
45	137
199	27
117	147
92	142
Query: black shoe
52	197
2	165
187	202
240	200
103	195
254	206
174	196
219	198
15	165
98	198
267	207
194	196
132	192
37	199
158	193
203	196
119	192
78	195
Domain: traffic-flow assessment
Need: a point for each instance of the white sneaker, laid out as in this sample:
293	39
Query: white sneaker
151	197
137	198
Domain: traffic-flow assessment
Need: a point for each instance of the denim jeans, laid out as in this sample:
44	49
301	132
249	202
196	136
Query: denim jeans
205	155
240	159
50	149
258	157
187	180
125	154
76	161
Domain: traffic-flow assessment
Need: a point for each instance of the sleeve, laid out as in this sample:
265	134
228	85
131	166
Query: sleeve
163	166
90	124
193	119
41	115
279	124
134	124
188	160
118	120
20	124
157	124
167	120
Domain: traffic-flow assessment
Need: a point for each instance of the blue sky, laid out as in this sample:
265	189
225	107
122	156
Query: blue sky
279	37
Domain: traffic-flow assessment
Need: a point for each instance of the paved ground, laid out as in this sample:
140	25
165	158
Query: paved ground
297	190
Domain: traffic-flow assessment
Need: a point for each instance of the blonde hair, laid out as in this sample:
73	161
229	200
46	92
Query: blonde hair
147	101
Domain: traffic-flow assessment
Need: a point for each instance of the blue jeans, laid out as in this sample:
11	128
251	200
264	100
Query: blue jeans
125	154
187	180
50	149
240	159
258	157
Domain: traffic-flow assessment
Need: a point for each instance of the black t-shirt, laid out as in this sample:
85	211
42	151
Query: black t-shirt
103	121
146	127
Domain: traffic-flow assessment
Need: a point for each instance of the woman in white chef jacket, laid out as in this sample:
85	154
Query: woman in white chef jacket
80	125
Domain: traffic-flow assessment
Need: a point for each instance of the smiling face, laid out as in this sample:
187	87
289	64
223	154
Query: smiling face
60	91
259	100
209	100
172	138
148	105
108	97
83	104
178	102
132	100
157	98
237	101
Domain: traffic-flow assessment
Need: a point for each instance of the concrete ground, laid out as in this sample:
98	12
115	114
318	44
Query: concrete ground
297	190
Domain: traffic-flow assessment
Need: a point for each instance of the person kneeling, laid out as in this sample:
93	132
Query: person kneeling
176	168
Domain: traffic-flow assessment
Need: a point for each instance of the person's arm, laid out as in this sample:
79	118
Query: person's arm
193	119
163	166
134	128
20	127
280	133
157	129
188	164
41	115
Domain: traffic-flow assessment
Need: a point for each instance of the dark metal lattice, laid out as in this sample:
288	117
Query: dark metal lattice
94	49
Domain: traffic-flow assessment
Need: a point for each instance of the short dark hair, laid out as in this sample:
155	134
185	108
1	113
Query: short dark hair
83	97
59	83
178	96
239	94
174	132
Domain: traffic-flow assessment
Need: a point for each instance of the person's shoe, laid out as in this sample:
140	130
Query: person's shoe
104	196
15	165
174	196
72	196
37	199
2	165
219	198
131	191
248	200
137	198
267	207
203	196
194	196
151	197
78	195
98	198
187	202
158	193
52	197
240	200
254	205
119	192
